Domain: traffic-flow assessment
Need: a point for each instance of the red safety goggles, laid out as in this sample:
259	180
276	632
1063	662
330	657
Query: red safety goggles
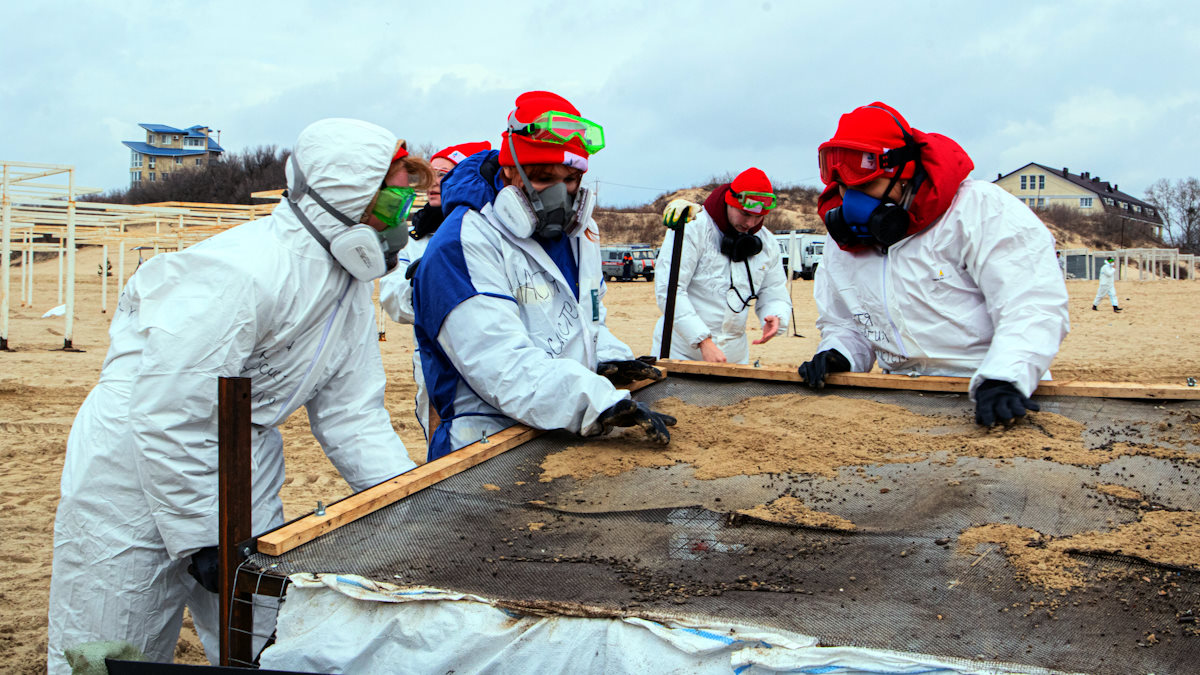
851	163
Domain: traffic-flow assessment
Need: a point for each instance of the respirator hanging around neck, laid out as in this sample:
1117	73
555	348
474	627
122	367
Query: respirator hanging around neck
740	246
358	248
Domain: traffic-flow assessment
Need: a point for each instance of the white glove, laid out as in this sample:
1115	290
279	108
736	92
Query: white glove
678	212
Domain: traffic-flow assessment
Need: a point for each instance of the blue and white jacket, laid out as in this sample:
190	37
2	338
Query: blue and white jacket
503	337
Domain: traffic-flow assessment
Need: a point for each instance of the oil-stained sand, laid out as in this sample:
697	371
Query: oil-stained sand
798	433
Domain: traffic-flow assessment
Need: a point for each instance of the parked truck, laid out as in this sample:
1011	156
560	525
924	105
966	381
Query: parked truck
811	246
613	265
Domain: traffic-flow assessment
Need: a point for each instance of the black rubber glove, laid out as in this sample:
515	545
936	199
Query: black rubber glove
427	221
629	413
622	373
204	568
822	363
997	401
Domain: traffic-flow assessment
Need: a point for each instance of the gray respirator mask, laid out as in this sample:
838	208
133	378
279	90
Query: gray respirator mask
360	249
553	207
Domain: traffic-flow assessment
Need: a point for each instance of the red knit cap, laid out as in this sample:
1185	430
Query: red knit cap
751	179
530	105
457	153
873	128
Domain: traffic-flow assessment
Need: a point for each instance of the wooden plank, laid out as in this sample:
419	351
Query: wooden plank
933	382
372	499
288	537
234	517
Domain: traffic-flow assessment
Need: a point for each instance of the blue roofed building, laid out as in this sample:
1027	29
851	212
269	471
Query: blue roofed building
167	150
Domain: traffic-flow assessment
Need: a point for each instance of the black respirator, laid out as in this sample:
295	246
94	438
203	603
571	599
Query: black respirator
865	220
740	246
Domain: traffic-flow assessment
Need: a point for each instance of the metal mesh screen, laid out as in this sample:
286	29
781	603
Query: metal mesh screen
656	542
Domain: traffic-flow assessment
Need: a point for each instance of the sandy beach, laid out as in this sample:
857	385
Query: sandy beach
1155	340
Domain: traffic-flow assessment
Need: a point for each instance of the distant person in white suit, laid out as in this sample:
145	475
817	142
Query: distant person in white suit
1107	274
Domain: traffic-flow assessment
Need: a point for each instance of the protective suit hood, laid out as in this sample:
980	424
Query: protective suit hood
946	166
344	161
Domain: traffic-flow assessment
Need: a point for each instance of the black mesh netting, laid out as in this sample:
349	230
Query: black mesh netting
659	542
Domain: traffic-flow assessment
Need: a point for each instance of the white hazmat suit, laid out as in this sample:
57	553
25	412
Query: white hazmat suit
263	300
1107	275
395	296
713	290
976	294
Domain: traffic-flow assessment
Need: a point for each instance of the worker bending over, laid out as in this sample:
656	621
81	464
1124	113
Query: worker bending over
933	273
509	296
285	301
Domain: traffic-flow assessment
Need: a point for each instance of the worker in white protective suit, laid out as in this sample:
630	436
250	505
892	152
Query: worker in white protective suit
728	260
509	296
1107	275
932	274
395	288
284	300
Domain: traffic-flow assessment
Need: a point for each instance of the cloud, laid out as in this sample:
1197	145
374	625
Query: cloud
685	91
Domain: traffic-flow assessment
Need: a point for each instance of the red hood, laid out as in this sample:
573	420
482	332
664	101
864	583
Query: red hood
715	205
946	164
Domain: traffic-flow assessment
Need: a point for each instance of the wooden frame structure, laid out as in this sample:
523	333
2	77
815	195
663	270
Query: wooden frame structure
40	214
1152	263
307	528
372	499
934	382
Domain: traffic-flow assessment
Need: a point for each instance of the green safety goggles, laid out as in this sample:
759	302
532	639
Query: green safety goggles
559	127
754	202
392	204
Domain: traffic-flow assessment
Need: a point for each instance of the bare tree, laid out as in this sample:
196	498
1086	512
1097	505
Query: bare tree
1179	205
425	149
229	180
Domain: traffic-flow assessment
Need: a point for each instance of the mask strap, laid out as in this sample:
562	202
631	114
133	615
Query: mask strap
534	199
309	226
750	280
302	188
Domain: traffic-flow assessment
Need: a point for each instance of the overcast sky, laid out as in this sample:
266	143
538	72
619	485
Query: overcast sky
685	91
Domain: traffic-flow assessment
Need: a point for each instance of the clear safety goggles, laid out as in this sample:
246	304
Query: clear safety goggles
392	204
560	127
754	202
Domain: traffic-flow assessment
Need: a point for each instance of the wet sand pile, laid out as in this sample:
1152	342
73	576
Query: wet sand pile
789	510
1168	538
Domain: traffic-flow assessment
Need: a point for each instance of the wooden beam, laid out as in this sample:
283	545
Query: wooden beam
933	382
234	517
372	499
281	540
